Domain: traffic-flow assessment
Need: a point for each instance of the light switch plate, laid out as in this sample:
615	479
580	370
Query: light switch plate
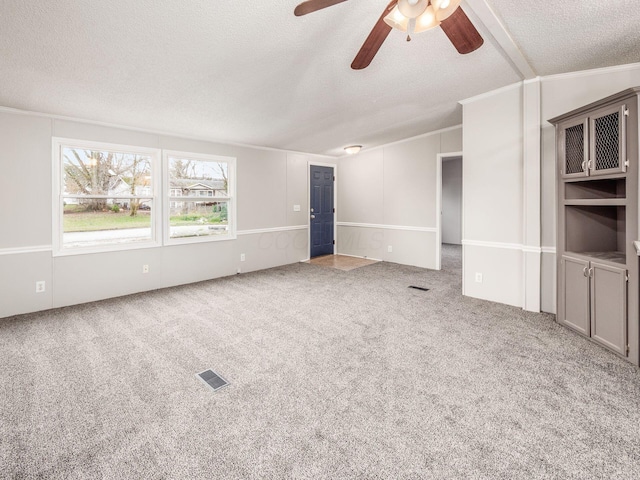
296	208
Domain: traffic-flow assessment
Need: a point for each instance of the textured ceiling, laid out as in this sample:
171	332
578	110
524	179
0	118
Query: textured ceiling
573	35
253	73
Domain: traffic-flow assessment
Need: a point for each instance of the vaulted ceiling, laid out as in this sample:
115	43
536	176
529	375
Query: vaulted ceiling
253	73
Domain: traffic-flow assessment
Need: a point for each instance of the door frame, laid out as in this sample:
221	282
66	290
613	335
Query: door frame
314	163
439	159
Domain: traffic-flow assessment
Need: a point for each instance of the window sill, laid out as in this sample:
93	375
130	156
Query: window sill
202	239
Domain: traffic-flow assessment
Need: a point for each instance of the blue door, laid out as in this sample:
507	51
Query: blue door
321	211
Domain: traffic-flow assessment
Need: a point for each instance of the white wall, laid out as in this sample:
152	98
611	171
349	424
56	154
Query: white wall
492	183
452	200
387	198
560	94
270	233
509	232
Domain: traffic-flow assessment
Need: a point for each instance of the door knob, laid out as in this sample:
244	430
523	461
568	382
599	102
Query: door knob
312	217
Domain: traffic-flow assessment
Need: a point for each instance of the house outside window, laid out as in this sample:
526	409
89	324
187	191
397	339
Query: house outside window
105	197
190	217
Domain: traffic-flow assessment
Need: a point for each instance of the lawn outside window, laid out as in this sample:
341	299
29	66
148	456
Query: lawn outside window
200	197
105	197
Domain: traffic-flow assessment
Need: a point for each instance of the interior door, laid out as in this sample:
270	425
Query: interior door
321	211
609	307
574	300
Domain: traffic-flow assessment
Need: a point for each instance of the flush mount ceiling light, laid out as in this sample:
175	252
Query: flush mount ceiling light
351	149
410	16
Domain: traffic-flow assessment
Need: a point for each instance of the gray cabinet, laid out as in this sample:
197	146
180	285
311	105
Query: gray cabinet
595	301
574	284
609	306
607	140
597	188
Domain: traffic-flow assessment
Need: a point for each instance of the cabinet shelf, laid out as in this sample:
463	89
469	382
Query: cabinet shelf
606	176
610	257
598	228
592	189
604	202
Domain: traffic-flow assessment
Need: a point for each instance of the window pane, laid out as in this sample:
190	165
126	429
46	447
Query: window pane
196	219
199	178
102	172
91	222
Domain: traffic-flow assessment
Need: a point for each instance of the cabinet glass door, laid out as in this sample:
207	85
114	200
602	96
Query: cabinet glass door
574	145
607	141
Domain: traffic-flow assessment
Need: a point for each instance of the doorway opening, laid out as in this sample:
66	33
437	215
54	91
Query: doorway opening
449	248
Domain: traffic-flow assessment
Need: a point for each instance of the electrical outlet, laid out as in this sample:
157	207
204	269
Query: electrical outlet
389	249
145	268
242	257
296	208
478	277
40	286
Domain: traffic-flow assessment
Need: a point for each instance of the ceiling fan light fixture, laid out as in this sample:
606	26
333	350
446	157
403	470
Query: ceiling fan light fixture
412	8
437	4
427	20
445	8
353	149
397	20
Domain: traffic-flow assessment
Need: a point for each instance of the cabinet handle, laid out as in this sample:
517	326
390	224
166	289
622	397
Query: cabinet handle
585	271
591	272
590	164
584	165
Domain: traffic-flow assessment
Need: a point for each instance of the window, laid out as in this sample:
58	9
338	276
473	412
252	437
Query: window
104	196
189	178
107	197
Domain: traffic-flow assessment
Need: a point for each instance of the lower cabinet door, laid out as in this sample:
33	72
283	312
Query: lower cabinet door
574	298
609	307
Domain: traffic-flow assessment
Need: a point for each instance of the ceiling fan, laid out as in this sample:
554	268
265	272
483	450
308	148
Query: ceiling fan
411	16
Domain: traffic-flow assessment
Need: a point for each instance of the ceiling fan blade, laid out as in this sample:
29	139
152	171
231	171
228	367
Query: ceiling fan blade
311	6
461	32
374	41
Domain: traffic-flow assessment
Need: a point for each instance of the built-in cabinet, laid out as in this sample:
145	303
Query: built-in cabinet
597	154
595	301
594	144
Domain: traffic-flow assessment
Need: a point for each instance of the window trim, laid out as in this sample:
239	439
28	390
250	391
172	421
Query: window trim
57	204
230	198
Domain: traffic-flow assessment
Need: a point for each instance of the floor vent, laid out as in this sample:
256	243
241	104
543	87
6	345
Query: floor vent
212	379
419	288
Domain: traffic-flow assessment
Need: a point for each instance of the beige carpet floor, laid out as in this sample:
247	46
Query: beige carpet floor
334	375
